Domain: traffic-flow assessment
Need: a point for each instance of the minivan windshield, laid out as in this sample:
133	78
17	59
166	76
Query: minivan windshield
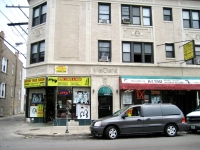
119	112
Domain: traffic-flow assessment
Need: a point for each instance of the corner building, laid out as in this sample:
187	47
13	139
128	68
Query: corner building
95	57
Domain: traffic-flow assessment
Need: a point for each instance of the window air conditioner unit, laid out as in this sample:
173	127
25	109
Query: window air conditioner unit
198	62
103	21
104	58
126	20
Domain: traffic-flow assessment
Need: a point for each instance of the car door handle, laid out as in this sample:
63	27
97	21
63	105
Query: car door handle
139	120
148	119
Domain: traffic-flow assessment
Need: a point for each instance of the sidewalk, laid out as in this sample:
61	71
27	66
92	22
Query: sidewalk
46	129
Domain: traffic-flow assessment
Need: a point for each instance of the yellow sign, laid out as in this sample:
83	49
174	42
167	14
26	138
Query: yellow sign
61	69
69	81
188	50
40	110
35	82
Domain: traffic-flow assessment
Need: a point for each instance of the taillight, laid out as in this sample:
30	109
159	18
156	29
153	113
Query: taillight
183	120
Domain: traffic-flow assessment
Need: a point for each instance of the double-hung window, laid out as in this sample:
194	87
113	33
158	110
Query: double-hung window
37	52
104	13
4	65
137	52
167	14
2	90
191	19
104	51
13	69
195	60
138	15
169	48
39	14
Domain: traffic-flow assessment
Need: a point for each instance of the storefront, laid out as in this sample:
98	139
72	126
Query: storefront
181	91
49	99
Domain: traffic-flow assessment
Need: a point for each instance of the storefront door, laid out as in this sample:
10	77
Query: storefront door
105	106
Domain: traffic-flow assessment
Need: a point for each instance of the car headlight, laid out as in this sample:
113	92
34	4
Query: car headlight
97	124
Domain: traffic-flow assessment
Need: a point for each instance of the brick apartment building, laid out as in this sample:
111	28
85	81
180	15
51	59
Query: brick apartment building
10	80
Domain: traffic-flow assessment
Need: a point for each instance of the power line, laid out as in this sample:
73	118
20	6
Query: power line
14	26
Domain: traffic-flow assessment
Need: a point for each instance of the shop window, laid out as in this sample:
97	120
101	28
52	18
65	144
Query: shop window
39	14
104	13
137	52
104	51
37	52
136	15
167	14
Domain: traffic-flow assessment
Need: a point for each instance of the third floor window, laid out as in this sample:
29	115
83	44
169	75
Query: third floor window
136	15
191	19
39	14
104	13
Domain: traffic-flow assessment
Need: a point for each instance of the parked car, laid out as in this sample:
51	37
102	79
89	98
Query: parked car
137	119
193	121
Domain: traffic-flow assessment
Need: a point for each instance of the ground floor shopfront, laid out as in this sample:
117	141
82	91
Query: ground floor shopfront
83	99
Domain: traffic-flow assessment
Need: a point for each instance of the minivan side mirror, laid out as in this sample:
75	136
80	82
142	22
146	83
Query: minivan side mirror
124	116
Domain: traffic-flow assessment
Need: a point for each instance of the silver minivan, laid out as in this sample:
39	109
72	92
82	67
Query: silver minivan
137	119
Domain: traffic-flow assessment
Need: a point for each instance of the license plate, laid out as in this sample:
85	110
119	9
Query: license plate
192	127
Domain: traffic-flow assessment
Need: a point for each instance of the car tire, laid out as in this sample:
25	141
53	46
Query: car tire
111	132
194	131
171	130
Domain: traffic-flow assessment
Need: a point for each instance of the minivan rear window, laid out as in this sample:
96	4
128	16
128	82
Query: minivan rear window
170	110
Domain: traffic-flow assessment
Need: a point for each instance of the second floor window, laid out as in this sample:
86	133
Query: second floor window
136	15
39	14
104	51
195	60
167	14
104	13
2	90
37	52
169	48
4	65
13	69
137	52
191	19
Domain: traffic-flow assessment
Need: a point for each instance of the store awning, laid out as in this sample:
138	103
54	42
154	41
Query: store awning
159	83
105	91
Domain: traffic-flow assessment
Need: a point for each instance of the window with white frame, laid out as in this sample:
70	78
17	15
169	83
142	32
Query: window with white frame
37	52
2	90
104	13
191	18
19	94
13	69
104	51
4	65
137	52
167	14
11	91
138	15
20	75
170	50
39	14
196	59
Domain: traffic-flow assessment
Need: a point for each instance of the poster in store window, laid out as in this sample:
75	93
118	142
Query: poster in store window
82	97
37	111
83	111
127	98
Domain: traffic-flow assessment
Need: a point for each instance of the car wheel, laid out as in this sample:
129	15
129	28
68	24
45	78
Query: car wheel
111	132
194	131
171	130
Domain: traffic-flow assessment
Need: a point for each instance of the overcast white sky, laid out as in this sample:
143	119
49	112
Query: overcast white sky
14	34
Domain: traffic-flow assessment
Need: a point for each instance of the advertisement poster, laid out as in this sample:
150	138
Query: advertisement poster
155	99
36	111
82	97
37	98
127	98
82	111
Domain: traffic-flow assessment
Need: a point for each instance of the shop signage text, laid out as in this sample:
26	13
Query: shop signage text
35	82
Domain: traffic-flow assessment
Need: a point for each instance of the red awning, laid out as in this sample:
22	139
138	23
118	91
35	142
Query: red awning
150	86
